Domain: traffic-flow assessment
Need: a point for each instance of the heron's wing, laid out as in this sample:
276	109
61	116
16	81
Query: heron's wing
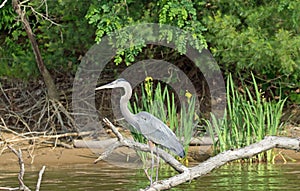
158	132
153	128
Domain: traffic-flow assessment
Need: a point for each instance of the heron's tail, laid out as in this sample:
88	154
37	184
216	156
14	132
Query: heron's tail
182	154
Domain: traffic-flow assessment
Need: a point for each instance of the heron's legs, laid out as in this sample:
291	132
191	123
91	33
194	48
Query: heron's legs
152	161
157	163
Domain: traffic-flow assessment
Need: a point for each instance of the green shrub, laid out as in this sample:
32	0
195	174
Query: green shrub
258	36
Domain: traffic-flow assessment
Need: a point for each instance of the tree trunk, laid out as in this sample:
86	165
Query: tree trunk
52	91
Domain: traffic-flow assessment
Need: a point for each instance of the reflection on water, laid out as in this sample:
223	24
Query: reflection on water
107	177
253	177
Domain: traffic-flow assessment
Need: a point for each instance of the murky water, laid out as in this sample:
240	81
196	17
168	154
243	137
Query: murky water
108	177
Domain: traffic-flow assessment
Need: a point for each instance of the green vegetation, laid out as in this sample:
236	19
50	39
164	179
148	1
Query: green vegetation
248	119
110	16
258	36
243	36
63	37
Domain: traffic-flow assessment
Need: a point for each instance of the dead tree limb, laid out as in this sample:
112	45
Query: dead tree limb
169	159
267	143
38	184
3	3
22	186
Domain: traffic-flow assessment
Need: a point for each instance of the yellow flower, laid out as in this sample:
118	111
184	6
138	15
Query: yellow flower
148	78
188	94
148	87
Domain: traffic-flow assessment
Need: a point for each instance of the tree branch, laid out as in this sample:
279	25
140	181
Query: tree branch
3	3
38	184
22	186
169	159
267	143
52	91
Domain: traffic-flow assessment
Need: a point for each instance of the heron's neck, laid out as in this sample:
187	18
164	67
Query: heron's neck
124	106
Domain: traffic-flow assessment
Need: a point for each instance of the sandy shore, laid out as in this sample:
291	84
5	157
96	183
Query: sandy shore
50	156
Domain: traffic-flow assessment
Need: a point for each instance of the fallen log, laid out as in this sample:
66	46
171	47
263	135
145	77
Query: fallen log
269	142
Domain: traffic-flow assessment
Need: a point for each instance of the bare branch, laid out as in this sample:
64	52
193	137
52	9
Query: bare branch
267	143
38	184
43	16
3	3
22	186
8	188
169	159
114	129
106	153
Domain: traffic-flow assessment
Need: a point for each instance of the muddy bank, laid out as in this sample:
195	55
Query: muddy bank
50	156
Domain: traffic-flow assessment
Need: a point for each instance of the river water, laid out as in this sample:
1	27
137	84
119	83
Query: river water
240	177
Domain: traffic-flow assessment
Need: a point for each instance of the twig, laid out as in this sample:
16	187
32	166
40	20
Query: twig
43	16
64	111
106	153
38	184
7	99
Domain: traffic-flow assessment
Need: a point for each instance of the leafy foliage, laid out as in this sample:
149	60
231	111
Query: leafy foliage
62	37
260	36
114	15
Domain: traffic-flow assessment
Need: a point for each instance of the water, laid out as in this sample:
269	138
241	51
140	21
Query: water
107	177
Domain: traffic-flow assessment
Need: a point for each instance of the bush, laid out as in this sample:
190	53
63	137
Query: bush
258	36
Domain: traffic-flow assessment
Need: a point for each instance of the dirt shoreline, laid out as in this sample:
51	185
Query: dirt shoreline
50	156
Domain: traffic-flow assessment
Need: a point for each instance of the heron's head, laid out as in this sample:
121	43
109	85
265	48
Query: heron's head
119	83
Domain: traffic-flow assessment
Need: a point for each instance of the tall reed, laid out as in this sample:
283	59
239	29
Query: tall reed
248	119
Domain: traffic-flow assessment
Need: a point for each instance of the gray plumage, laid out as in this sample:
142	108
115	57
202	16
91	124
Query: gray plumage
148	125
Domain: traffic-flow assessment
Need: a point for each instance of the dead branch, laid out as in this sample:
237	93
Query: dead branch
22	186
3	3
37	136
169	159
38	184
8	189
267	143
94	144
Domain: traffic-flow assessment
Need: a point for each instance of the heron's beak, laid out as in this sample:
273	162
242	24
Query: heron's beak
107	86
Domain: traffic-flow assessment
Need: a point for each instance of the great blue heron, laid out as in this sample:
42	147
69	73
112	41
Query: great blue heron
148	125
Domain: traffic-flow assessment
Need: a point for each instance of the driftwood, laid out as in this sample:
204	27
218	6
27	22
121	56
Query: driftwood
22	185
188	174
267	143
100	144
41	136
